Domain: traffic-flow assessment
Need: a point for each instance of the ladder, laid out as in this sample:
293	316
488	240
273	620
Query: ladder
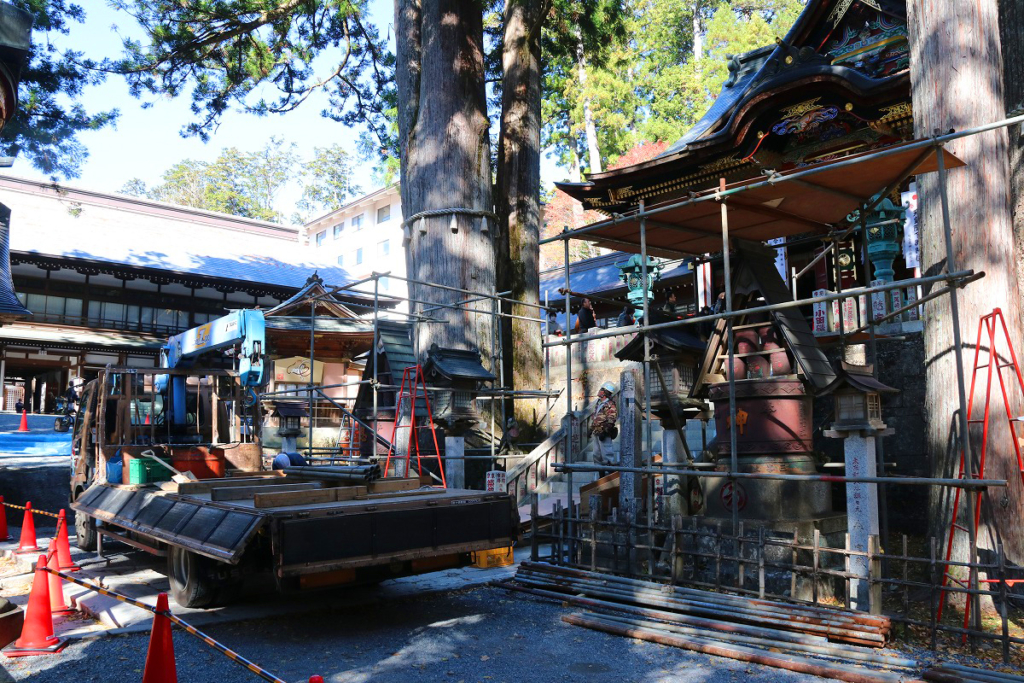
988	327
350	438
412	384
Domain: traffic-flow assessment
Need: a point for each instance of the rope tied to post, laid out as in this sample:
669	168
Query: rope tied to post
453	224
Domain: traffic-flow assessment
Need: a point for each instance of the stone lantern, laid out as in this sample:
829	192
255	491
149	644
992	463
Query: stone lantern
882	230
631	272
857	397
289	416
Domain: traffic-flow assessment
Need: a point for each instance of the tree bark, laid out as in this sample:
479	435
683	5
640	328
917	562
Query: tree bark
445	164
518	199
957	83
1011	33
589	128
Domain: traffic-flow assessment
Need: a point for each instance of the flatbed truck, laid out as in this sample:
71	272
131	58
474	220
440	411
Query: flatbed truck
308	531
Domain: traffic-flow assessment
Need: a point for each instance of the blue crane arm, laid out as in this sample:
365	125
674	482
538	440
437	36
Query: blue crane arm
244	327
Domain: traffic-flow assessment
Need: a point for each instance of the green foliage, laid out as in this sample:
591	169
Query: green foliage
49	120
229	53
328	180
655	79
239	183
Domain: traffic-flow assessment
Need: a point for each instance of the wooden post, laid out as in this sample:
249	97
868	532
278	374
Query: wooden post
875	574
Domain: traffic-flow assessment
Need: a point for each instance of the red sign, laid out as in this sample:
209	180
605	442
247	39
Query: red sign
736	489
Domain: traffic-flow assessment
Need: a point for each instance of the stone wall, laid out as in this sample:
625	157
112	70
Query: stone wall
900	365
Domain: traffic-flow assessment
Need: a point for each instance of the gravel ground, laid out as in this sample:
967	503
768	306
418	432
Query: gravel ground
483	635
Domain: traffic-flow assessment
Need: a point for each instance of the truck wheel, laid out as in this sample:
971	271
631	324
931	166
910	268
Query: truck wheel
85	532
191	582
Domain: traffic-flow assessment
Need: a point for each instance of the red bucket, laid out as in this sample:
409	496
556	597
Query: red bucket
203	464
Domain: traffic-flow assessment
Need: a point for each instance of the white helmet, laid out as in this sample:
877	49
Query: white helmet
610	388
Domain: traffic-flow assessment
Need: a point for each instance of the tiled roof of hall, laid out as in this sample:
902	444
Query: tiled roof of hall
62	222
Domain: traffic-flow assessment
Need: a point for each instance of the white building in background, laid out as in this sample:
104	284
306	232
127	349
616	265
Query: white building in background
363	237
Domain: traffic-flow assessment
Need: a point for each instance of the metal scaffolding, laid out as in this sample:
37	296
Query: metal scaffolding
951	283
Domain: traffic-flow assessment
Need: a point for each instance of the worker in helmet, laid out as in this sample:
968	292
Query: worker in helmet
602	426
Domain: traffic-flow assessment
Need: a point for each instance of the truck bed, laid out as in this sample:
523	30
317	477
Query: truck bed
306	538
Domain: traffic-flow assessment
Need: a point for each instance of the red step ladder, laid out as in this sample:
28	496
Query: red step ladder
412	384
988	326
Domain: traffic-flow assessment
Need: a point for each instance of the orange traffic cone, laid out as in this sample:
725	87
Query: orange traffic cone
56	587
316	679
24	422
64	561
147	419
28	544
160	657
5	535
37	634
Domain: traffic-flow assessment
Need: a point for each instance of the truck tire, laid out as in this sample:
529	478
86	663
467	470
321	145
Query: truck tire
85	532
192	583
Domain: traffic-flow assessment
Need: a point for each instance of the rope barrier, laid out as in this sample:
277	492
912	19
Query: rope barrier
34	511
223	649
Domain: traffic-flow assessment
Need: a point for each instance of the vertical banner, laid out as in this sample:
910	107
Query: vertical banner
781	260
915	312
895	302
820	312
833	323
849	314
911	239
704	285
877	301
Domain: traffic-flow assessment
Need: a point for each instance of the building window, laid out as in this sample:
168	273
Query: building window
357	222
338	228
341	260
359	256
384	214
320	237
384	248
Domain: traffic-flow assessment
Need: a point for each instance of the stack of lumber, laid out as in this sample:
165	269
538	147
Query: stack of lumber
812	639
956	673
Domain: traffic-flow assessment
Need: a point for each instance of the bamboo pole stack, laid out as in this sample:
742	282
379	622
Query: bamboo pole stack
355	474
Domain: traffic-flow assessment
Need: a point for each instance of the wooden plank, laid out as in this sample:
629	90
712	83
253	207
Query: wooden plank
328	495
244	492
391	485
209	484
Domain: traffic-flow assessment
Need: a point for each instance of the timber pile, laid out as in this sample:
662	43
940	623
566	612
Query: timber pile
353	474
809	639
956	673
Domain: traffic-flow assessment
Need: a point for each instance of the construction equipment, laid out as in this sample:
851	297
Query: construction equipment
243	328
989	327
311	527
410	390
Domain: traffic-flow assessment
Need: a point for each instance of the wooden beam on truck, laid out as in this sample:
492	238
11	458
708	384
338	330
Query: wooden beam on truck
392	485
313	496
244	492
207	485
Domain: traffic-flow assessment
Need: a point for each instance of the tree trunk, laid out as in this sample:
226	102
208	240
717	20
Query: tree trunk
957	83
590	129
575	176
445	164
698	34
518	200
1011	30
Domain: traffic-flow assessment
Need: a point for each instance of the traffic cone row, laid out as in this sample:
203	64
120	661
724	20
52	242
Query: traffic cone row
56	586
4	534
37	634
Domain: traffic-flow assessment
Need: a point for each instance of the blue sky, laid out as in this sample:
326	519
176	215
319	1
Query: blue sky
146	142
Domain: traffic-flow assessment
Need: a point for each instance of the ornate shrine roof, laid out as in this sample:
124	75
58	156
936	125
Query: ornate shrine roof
837	84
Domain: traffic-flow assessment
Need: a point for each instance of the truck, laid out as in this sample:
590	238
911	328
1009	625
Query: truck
200	414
